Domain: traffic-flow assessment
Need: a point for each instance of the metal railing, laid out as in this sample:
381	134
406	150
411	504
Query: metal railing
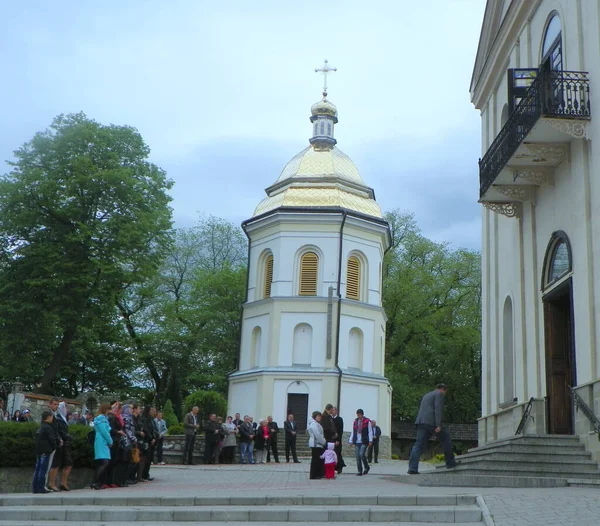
558	94
579	404
525	417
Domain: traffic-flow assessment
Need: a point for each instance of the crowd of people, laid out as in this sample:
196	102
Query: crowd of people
125	438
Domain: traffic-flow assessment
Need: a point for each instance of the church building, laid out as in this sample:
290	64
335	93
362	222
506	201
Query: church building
535	82
313	325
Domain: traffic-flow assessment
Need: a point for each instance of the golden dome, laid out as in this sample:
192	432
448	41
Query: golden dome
324	107
321	176
321	163
307	197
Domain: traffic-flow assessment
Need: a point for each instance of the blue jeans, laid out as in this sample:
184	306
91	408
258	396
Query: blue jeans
246	450
424	433
39	473
360	450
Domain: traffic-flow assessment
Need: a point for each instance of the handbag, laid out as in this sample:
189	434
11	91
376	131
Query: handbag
135	455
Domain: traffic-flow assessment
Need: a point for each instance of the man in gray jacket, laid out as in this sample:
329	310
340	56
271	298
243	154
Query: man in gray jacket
429	423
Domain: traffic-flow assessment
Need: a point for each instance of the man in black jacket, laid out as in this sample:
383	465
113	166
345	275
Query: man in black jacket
329	430
274	431
291	430
374	449
338	422
212	435
45	444
246	441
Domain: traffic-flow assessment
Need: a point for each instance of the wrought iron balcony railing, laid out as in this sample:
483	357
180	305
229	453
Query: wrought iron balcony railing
557	94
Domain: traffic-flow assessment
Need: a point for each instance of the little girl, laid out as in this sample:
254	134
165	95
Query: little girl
330	460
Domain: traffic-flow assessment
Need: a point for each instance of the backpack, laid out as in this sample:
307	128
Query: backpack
91	437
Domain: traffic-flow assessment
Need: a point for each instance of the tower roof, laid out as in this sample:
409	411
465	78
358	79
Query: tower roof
321	175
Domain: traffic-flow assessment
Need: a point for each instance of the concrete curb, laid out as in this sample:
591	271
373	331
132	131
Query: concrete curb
485	512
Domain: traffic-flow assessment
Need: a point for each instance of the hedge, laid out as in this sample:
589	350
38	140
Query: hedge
176	430
17	443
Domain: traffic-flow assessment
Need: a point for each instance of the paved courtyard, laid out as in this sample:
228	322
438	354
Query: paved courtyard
508	507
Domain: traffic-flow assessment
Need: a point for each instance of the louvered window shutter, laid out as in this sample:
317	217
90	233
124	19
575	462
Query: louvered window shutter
353	279
268	276
309	265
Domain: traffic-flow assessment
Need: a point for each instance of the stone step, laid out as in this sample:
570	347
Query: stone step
534	440
491	480
280	514
219	523
108	498
550	451
535	468
513	472
584	483
530	457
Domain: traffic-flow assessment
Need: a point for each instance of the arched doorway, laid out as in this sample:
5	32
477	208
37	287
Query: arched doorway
559	334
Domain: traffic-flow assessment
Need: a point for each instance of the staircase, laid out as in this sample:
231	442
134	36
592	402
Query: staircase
521	461
91	509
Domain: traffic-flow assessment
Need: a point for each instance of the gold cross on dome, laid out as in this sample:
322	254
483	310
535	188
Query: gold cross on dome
325	69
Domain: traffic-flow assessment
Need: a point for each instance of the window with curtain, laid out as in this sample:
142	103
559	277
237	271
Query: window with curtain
309	266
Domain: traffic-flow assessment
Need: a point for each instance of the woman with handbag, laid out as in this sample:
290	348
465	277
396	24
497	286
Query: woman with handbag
119	458
130	453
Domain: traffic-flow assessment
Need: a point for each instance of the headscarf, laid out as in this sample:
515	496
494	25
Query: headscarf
116	409
62	411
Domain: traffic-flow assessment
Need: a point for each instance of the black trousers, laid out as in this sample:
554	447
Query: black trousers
188	449
209	451
273	448
340	463
317	466
100	477
159	450
373	451
290	445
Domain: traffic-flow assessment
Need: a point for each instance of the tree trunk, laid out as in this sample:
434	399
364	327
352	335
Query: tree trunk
60	353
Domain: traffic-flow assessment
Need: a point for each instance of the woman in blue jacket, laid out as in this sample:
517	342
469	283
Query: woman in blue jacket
102	443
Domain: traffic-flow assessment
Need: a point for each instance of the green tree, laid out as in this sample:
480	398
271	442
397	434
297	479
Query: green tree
185	325
432	297
169	415
82	213
208	402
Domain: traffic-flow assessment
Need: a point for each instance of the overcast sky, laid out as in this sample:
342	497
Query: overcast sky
221	92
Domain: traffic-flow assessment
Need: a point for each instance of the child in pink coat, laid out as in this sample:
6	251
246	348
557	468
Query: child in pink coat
330	460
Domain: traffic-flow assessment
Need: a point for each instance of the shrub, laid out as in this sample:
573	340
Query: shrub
169	415
18	445
208	402
395	457
176	430
438	459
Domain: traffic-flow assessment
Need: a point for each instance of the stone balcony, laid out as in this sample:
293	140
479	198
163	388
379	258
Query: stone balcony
554	110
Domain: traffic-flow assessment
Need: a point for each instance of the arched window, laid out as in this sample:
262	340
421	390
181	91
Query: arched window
268	276
309	270
328	128
353	278
255	344
558	262
552	45
322	127
508	352
302	347
355	349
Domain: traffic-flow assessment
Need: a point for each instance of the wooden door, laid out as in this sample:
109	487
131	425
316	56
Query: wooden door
298	406
560	362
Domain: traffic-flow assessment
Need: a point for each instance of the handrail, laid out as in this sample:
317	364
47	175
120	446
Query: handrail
557	94
579	403
525	416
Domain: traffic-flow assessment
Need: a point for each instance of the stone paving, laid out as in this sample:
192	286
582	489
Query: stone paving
508	506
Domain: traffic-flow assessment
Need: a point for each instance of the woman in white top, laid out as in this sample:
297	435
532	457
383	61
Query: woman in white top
229	441
316	442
